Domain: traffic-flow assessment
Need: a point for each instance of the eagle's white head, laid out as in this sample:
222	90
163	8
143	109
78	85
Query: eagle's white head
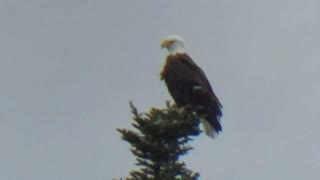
174	44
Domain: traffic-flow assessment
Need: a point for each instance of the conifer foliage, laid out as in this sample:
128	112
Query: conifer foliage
162	136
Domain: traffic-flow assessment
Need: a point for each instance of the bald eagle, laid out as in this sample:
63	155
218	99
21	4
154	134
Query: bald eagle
188	84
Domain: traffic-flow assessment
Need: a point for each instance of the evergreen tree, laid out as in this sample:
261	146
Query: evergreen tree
162	137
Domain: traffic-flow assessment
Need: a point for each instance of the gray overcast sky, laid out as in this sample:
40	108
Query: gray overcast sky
69	67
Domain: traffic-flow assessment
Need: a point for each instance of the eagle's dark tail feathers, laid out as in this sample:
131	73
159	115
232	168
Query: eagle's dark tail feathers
211	123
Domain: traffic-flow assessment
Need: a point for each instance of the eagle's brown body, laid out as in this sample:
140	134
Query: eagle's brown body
188	85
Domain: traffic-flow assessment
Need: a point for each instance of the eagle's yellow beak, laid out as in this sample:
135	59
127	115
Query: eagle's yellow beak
165	44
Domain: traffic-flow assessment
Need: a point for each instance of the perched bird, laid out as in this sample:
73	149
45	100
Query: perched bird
188	84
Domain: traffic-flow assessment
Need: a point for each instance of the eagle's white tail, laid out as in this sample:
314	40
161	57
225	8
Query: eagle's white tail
209	129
